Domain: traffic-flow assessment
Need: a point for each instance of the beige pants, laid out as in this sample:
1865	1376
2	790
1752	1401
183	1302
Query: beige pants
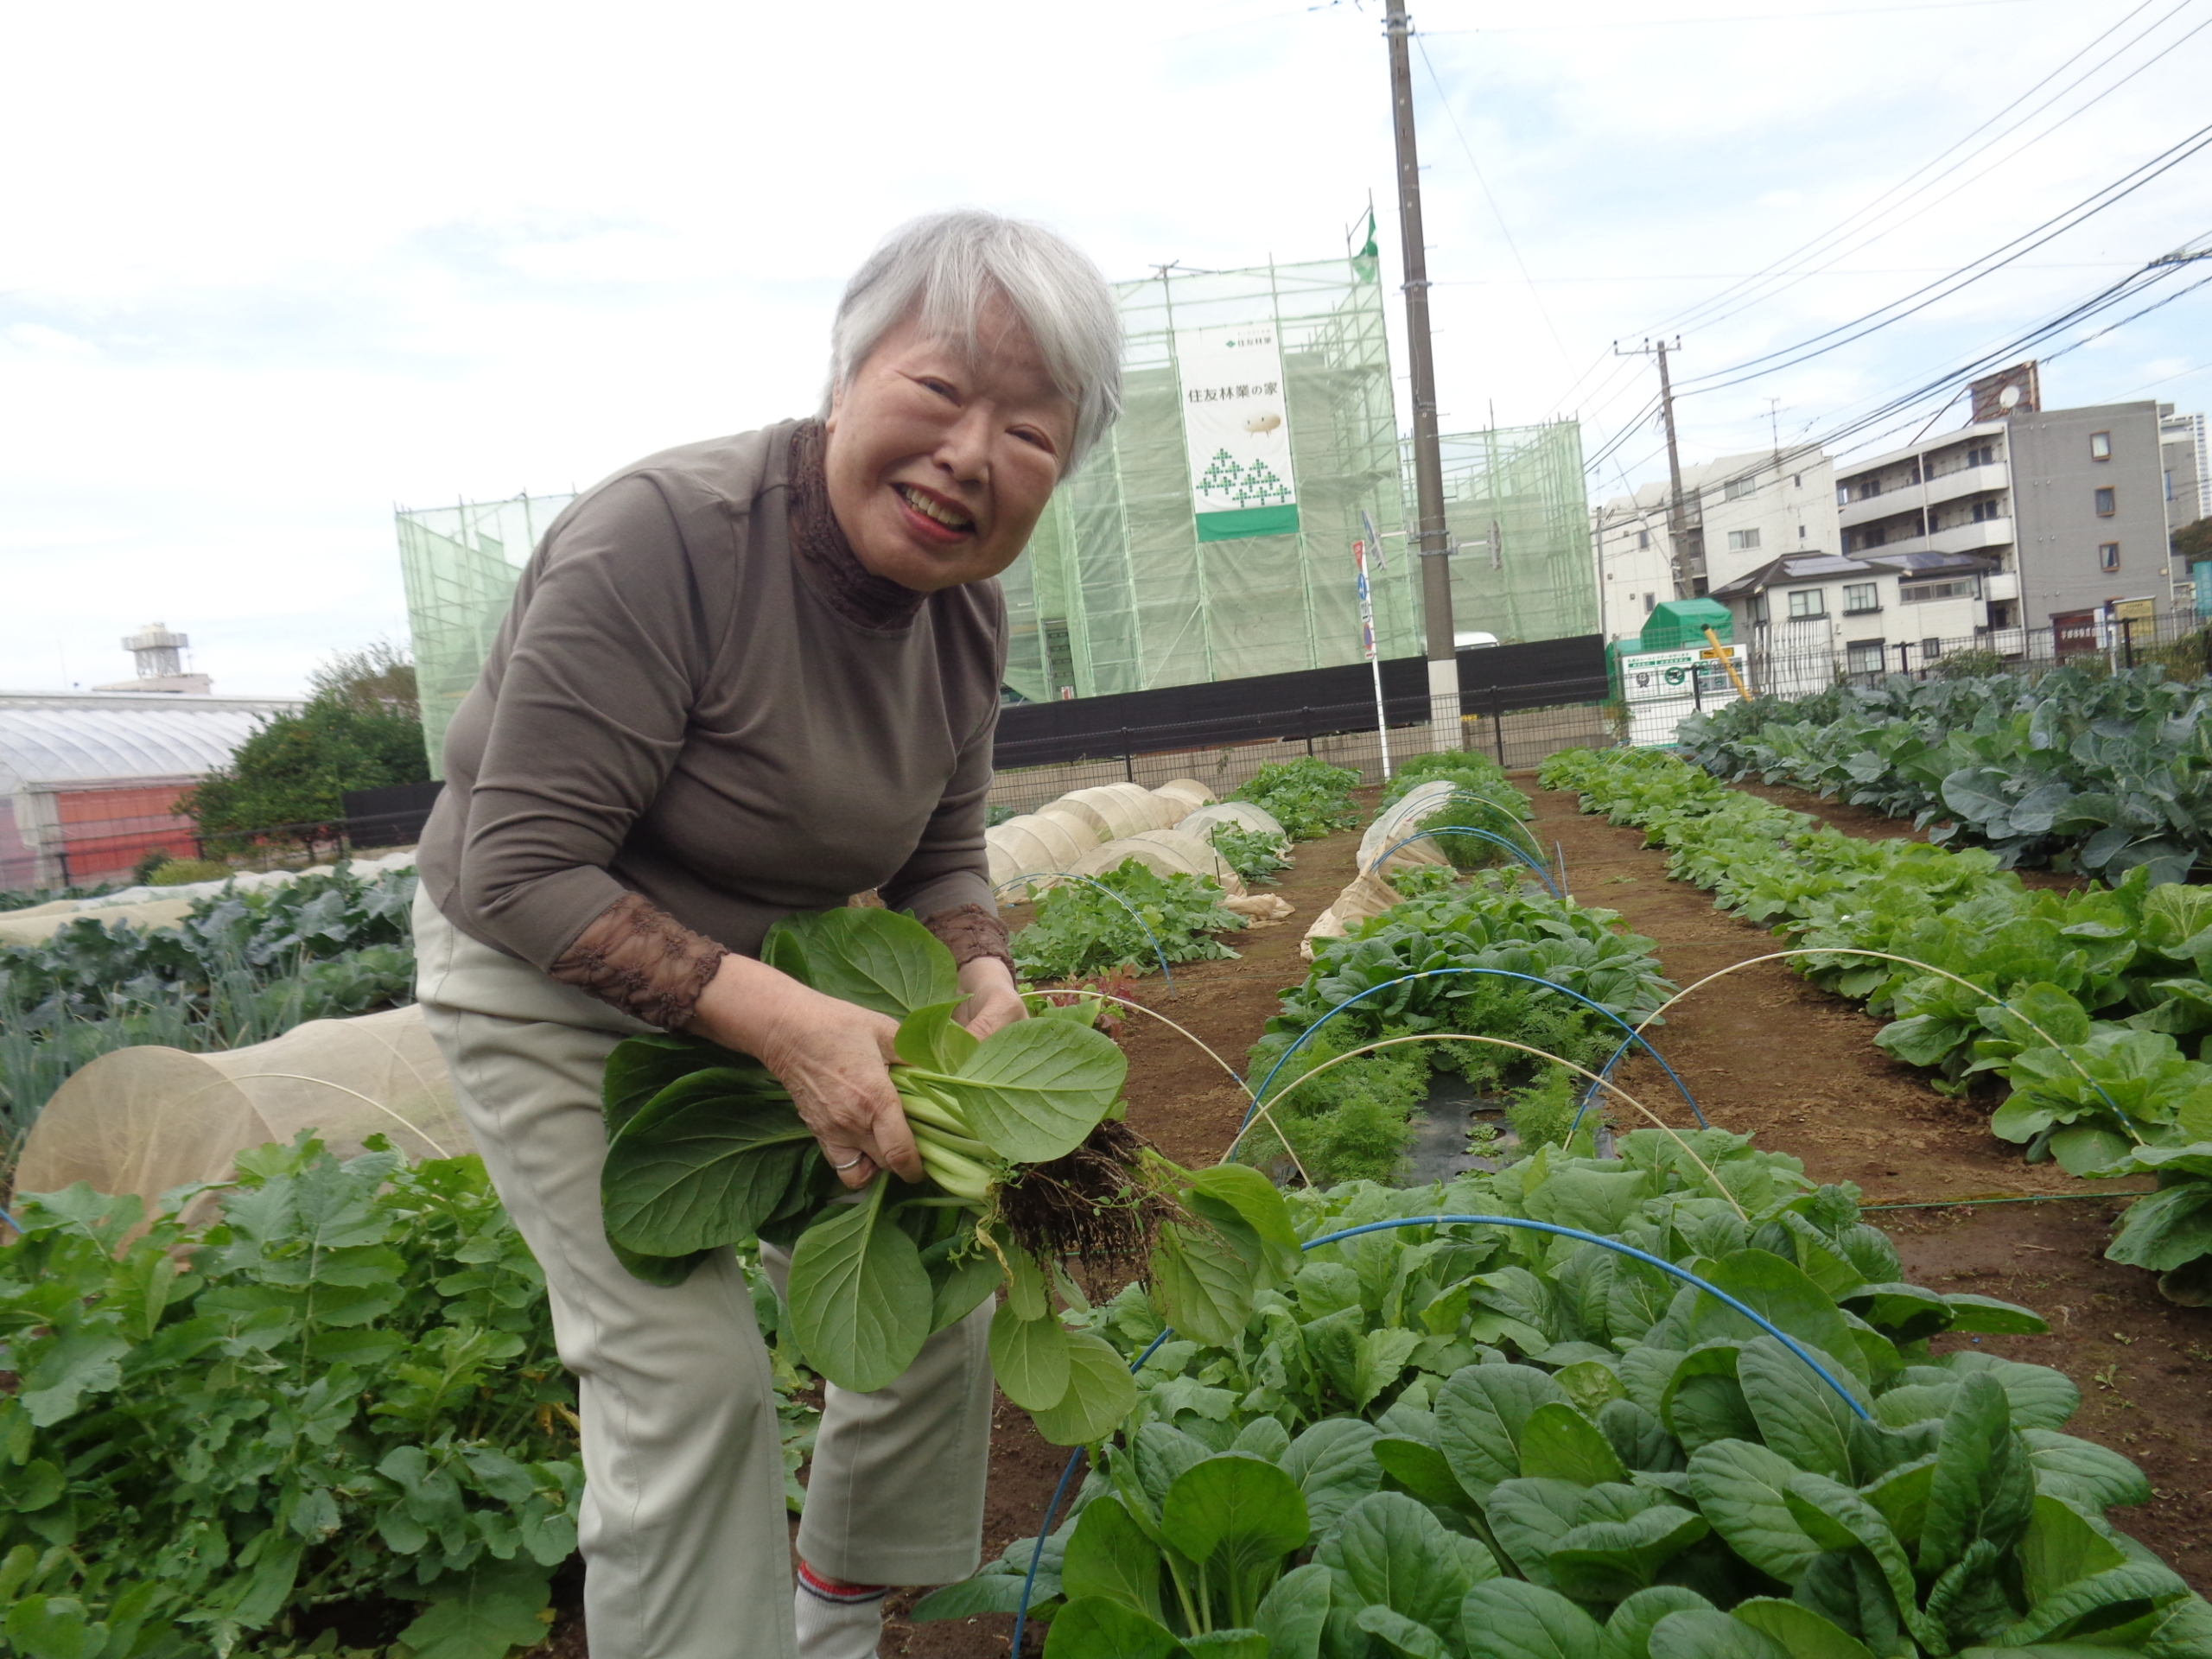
682	1522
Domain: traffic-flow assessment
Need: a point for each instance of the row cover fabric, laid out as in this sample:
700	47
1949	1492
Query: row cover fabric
150	1119
1076	834
1399	820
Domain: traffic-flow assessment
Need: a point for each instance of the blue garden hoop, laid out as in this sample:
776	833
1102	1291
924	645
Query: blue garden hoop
1066	875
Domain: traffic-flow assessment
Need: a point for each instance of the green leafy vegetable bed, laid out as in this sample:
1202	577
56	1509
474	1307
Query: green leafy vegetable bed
1354	1121
2107	988
2110	771
242	968
1078	930
1483	1443
338	1404
1309	798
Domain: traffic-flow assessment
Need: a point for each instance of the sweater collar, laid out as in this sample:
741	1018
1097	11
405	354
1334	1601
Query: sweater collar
853	591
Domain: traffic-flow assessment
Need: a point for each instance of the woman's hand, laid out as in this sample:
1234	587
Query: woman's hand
993	1002
832	1056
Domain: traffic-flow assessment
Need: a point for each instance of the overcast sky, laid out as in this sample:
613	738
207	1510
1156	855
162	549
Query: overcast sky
270	269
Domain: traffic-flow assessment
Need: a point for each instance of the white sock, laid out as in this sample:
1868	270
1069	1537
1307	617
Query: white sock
837	1623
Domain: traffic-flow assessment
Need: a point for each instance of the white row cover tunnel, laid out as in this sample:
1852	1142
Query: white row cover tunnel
1089	831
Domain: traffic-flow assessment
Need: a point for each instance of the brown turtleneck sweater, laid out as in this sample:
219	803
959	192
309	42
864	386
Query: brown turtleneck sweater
702	713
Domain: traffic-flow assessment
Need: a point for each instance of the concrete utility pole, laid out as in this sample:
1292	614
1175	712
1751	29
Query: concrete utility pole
1432	540
1678	555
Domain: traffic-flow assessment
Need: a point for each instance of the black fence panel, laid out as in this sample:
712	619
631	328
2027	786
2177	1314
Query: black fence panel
1311	703
392	816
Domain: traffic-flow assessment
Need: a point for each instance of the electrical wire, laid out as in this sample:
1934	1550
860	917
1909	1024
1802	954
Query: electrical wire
1787	267
1987	265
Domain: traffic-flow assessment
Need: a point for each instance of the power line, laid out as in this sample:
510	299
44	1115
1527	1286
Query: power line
1702	311
1974	272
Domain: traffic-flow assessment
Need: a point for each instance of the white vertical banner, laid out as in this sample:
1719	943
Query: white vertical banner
1236	432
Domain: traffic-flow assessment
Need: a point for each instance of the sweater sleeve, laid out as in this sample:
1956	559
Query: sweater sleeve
608	649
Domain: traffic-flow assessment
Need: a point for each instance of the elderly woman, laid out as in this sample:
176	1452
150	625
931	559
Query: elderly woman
742	679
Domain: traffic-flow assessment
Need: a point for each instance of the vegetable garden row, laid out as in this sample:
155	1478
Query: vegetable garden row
1674	1400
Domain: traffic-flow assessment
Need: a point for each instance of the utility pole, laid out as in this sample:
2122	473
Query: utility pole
1431	538
1678	552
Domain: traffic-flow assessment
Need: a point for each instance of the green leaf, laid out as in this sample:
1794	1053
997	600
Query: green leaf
705	1163
1743	1490
1777	1289
1094	1628
484	1620
1608	1560
1235	1514
640	1067
881	960
1509	1618
1983	1487
1203	1287
1799	1416
2060	1547
931	1038
1421	1470
1798	1631
1400	1634
1334	1464
860	1297
1109	1556
1711	1635
1292	1613
1627	1633
1391	1551
1480	1412
1101	1394
987	1592
1559	1443
1839	1518
2039	1396
2083	1473
2166	1230
68	1368
1227	1644
1528	1518
1034	1090
1029	1359
53	1627
2144	1581
1986	1316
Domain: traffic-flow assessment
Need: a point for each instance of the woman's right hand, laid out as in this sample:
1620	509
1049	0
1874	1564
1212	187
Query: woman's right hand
833	1057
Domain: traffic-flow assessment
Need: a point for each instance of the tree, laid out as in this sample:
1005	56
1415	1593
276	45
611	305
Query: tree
2195	541
361	728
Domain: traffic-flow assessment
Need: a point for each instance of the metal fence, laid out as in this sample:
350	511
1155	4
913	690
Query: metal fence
1570	714
2181	640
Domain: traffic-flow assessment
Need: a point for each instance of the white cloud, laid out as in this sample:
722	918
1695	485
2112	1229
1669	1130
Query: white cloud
272	270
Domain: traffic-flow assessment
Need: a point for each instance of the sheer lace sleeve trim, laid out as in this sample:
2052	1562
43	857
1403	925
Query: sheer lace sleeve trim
643	961
970	932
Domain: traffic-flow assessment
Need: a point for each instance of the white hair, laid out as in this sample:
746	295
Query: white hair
946	267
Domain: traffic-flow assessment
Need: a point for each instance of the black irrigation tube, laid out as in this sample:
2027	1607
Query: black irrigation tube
1052	1509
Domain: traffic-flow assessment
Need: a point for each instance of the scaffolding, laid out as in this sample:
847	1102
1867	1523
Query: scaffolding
1168	560
1515	504
460	565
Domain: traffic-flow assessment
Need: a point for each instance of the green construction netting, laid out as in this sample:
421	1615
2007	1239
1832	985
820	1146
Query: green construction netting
1148	569
460	565
1515	504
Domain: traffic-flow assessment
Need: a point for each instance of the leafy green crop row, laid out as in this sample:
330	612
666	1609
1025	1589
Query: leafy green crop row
1483	1443
2107	771
2105	987
1309	798
338	1403
1481	798
1354	1121
241	968
1080	930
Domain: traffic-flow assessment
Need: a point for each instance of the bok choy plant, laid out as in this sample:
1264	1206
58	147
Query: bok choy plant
1028	1164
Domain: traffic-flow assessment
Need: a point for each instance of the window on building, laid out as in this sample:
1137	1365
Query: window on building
1642	540
1860	597
2107	555
1806	603
1919	593
2100	446
1843	495
1649	600
1930	650
1755	609
2107	502
1863	656
1801	532
1796	480
1736	488
1984	510
1741	541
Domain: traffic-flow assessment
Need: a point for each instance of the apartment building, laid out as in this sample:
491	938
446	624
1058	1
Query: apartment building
2189	500
2067	506
1804	616
1739	514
